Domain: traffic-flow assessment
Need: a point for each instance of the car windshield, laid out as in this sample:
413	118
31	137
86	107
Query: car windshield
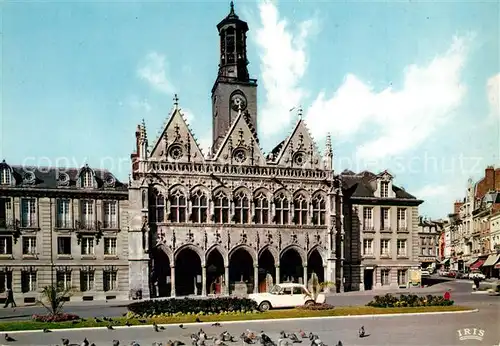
275	289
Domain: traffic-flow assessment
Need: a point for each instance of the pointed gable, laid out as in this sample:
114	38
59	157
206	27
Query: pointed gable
240	145
299	149
176	143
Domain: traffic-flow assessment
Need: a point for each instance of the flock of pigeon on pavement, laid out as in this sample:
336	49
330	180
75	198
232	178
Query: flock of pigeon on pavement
223	339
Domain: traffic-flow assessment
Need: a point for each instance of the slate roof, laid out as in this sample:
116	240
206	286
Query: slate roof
53	177
358	185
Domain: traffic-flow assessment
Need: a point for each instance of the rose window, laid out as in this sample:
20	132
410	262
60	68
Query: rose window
239	156
175	152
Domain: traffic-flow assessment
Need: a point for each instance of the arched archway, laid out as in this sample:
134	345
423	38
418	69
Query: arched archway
160	274
215	272
291	269
315	265
267	271
187	272
241	271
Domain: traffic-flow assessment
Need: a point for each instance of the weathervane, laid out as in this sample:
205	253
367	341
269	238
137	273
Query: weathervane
176	101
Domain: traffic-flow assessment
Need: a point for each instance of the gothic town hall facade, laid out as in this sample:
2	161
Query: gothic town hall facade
236	220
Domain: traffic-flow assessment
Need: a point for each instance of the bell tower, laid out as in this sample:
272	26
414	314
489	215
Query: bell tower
233	88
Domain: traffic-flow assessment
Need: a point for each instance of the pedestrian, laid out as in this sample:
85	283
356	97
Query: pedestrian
10	298
476	282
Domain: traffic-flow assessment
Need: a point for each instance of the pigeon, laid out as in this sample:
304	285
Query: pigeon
116	343
65	342
216	324
181	326
361	332
302	334
155	327
98	320
294	338
178	343
143	321
45	330
127	324
92	344
246	339
283	334
85	342
339	343
110	327
198	319
9	338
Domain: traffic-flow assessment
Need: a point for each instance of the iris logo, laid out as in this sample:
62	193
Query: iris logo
470	334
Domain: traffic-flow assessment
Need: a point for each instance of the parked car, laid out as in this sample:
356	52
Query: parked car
425	272
452	273
477	274
285	295
461	275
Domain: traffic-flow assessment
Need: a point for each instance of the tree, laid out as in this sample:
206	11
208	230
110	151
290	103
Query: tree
54	297
315	287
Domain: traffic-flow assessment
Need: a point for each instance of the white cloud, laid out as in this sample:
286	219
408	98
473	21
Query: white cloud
138	104
283	64
493	88
402	119
432	191
154	71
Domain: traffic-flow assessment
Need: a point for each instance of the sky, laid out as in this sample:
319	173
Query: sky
407	86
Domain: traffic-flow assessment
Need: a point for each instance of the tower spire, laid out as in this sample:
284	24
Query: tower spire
328	154
176	102
231	11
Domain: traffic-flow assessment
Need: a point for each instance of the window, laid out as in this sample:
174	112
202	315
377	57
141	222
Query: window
4	176
221	208
28	215
402	218
241	208
286	290
64	246
178	206
430	252
424	251
368	247
63	279
200	207
6	214
29	246
87	244
300	210
385	276
402	280
87	214
423	241
401	247
384	189
282	209
5	280
28	281
110	246
319	210
385	221
368	218
63	213
109	280
6	245
87	179
385	247
110	214
261	204
299	290
86	280
157	207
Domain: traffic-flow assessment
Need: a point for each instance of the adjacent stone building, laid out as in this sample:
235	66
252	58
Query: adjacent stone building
64	226
429	232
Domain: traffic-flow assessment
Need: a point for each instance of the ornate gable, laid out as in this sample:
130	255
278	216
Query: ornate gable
240	146
299	149
176	143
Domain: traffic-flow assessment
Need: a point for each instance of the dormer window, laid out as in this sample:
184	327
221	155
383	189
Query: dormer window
87	179
384	189
4	176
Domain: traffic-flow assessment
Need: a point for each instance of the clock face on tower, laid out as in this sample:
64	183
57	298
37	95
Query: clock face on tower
238	102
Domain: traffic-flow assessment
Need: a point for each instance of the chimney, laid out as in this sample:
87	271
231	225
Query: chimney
497	179
456	207
489	178
134	156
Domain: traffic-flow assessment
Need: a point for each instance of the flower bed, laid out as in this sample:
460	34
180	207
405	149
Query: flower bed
55	318
193	306
411	300
317	307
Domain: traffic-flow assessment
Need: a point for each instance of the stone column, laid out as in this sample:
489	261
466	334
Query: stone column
305	274
226	281
172	281
203	281
255	278
277	275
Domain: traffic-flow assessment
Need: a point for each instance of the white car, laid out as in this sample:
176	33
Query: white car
285	295
477	275
425	272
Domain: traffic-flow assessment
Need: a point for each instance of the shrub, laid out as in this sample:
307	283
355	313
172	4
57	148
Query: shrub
410	300
193	306
318	306
55	318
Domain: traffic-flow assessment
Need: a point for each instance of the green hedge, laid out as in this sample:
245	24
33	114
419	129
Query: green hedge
411	300
193	306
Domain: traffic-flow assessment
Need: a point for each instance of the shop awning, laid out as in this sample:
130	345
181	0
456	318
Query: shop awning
445	261
491	260
469	262
477	264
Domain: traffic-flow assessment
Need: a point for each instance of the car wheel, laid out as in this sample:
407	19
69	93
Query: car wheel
264	306
309	303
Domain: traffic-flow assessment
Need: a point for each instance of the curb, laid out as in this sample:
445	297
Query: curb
249	321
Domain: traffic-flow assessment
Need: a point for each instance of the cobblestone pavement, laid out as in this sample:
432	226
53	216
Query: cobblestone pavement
427	330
